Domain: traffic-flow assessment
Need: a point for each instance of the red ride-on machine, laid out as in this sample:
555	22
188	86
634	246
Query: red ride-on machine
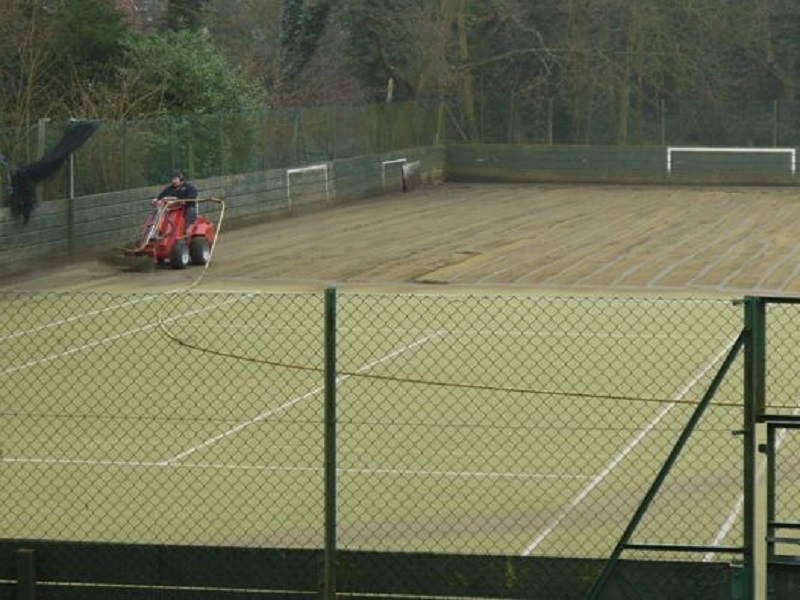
163	239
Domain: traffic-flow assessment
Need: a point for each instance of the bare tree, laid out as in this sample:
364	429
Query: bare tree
24	30
247	32
325	79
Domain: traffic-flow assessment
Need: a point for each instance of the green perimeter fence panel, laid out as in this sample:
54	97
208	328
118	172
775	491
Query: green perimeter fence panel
134	154
546	163
86	227
79	571
479	445
529	119
676	165
76	228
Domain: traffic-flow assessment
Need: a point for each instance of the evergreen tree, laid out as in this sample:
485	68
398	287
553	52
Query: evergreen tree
90	39
302	26
182	73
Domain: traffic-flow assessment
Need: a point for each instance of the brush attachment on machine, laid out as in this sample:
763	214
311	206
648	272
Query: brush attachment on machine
165	239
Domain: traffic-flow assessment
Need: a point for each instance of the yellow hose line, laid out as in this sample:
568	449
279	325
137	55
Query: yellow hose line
360	374
161	324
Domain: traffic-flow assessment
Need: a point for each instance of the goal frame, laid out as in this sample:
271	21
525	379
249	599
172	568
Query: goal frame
715	149
386	163
310	168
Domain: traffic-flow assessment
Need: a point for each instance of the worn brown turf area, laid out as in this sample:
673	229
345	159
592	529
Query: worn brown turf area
545	237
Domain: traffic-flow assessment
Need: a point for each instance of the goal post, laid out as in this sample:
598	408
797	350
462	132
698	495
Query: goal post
311	175
409	171
791	164
399	162
412	175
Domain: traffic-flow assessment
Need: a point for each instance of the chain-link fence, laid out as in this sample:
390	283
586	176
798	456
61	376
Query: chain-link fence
136	154
409	425
514	119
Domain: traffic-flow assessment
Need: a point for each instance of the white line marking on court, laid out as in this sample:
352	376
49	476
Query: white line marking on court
75	350
286	405
240	427
726	527
102	341
616	460
77	462
72	319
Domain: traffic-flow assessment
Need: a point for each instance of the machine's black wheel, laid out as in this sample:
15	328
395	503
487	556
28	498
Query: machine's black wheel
199	250
179	254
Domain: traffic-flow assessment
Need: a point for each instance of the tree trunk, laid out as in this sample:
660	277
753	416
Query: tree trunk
579	46
467	97
624	81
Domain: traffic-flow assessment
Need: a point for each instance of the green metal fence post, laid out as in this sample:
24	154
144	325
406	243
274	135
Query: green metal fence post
41	143
754	402
329	585
774	123
26	574
595	591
